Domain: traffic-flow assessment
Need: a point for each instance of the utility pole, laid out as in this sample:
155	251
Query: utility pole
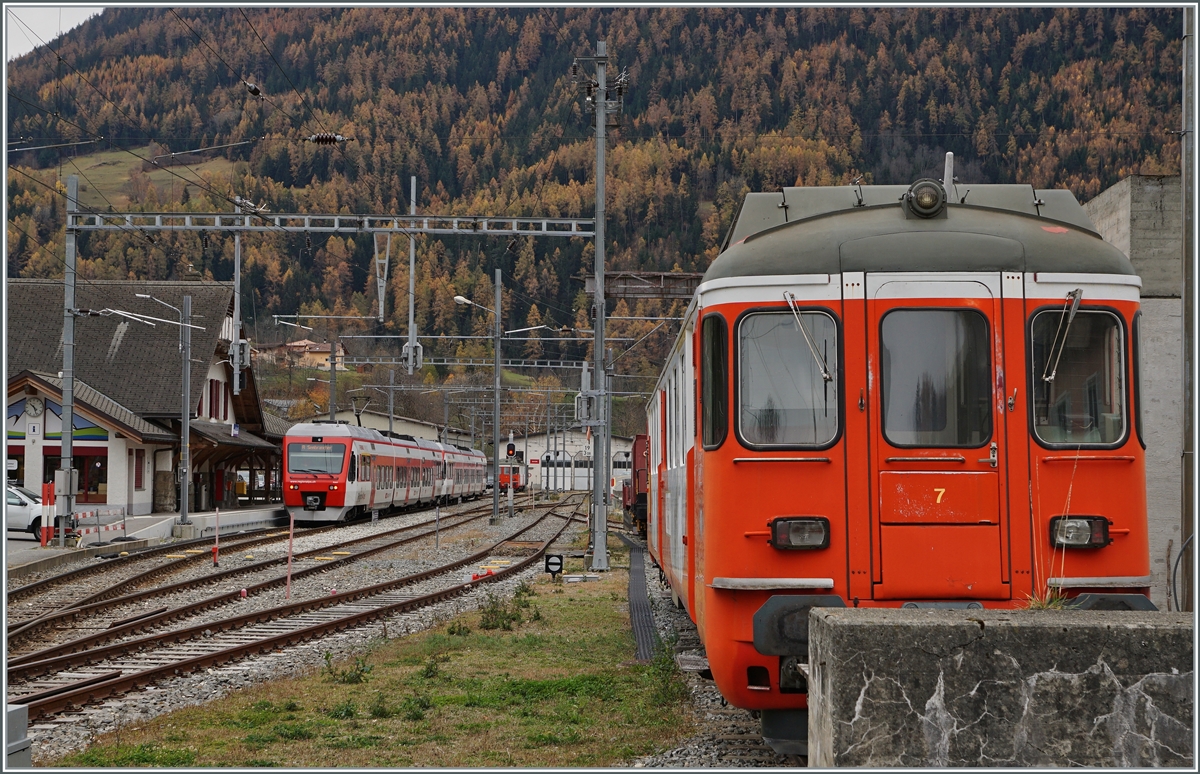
185	415
235	349
66	501
1188	184
412	350
333	378
391	397
496	413
598	98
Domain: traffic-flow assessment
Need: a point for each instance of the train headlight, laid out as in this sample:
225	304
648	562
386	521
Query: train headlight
333	487
801	532
926	198
293	486
1079	532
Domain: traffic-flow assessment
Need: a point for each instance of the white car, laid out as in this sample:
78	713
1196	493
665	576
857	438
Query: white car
23	509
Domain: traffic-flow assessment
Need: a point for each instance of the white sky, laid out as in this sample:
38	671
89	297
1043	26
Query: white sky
44	21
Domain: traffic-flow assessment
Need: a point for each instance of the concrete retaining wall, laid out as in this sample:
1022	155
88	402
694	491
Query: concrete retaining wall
924	688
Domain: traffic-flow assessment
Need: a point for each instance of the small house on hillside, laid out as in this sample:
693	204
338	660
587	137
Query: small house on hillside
304	353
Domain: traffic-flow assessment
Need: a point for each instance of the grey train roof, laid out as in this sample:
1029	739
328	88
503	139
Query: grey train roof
824	230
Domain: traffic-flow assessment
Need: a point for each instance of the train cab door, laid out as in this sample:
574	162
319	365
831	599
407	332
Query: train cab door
938	444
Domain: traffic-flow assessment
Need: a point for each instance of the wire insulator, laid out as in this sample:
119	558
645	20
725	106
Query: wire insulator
254	90
327	138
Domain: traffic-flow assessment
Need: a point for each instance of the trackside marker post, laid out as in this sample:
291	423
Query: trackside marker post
291	533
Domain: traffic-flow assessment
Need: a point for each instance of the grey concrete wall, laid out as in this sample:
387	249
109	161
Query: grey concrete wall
1142	216
1109	211
1162	422
924	688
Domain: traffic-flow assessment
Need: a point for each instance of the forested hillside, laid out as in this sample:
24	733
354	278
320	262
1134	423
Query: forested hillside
479	105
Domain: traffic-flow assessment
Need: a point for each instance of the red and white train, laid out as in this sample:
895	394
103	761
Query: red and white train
896	396
337	471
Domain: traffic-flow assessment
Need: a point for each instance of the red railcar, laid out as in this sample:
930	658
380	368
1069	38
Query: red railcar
333	471
887	396
635	488
512	475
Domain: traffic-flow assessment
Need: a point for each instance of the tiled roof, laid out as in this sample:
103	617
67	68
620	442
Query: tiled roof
220	433
102	404
275	427
137	366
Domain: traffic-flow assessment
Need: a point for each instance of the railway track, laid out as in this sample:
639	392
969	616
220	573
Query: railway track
91	676
113	618
34	606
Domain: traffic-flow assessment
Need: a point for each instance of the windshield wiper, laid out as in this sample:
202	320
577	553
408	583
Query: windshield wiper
1070	307
790	297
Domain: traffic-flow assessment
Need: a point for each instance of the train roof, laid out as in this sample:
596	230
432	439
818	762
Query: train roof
833	229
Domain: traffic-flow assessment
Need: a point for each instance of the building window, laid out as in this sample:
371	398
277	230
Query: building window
139	469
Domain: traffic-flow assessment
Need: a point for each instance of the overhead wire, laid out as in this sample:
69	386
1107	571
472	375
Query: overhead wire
231	68
198	181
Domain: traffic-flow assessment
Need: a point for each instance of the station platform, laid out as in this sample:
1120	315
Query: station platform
108	534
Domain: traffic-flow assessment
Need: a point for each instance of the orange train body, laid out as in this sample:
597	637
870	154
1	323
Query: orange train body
873	406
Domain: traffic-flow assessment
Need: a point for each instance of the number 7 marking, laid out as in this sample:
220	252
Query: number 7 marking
940	493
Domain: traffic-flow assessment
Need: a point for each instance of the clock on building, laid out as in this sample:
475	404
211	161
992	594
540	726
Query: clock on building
34	407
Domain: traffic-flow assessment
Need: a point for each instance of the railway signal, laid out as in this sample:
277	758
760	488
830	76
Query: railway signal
554	565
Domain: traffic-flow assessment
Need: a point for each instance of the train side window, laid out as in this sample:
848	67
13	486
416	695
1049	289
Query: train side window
352	470
714	381
935	378
1138	390
1078	378
783	397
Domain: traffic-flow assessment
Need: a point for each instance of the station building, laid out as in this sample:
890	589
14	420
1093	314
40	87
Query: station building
127	403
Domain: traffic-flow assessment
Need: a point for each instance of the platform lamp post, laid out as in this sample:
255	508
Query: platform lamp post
185	416
495	399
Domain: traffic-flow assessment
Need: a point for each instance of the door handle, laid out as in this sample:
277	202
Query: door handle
1012	401
993	457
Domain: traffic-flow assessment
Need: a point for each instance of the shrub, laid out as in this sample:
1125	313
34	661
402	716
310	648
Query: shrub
497	614
379	707
344	711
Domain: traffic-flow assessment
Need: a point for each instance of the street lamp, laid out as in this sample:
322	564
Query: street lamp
185	417
462	300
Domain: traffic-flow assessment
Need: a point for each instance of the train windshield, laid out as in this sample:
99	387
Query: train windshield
935	378
316	457
1080	399
783	396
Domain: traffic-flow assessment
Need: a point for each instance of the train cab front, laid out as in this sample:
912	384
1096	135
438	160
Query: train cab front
314	479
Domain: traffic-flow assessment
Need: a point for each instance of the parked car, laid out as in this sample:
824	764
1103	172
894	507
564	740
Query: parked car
23	509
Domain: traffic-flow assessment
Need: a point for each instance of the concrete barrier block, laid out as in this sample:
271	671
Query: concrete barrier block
923	688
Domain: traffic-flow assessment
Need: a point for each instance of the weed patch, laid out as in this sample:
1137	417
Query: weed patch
499	613
358	672
125	756
344	711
